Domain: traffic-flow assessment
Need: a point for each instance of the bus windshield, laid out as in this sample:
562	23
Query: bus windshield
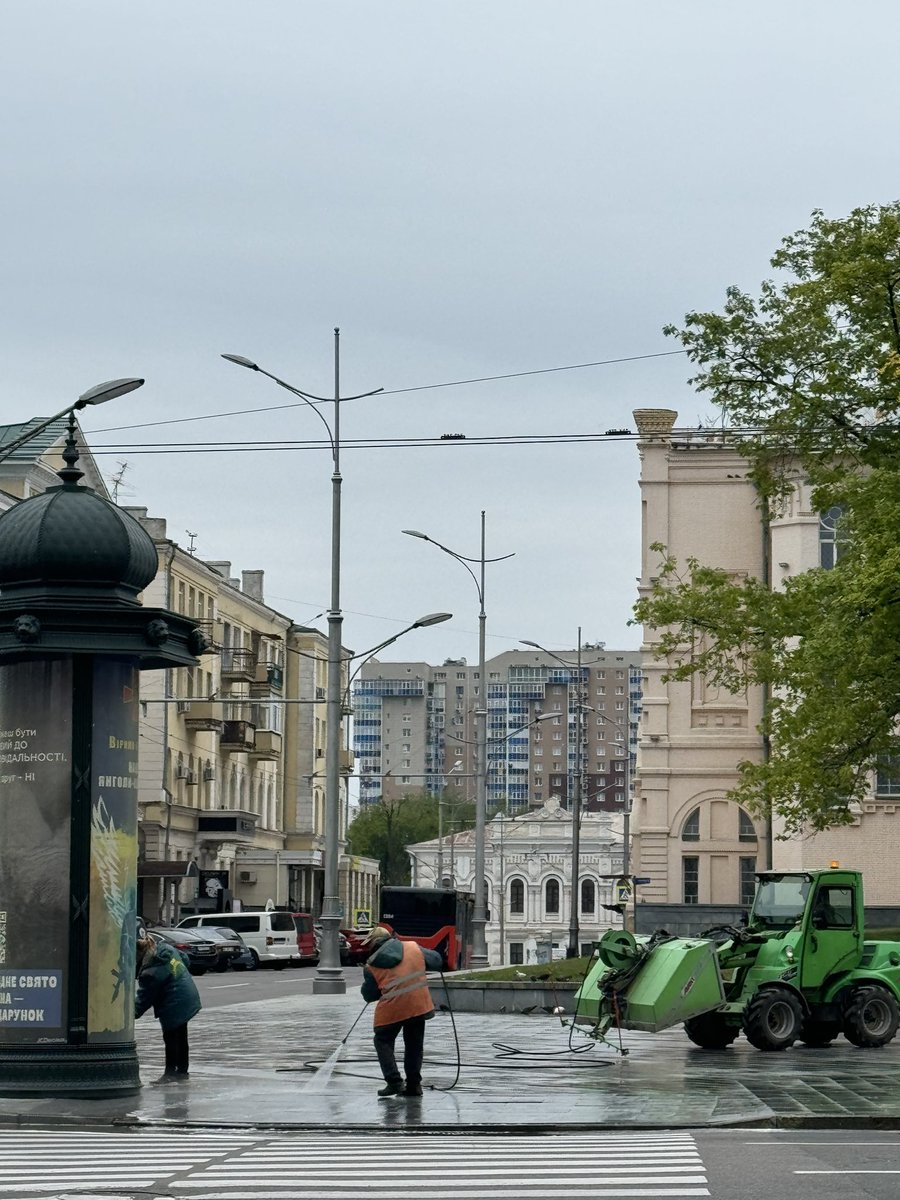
780	901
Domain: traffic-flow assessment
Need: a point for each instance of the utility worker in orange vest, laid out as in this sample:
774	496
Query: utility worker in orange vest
394	975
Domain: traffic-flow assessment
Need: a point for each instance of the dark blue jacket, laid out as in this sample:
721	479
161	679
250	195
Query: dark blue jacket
165	983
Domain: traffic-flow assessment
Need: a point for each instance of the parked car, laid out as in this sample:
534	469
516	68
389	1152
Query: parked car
201	953
232	950
357	949
307	941
270	934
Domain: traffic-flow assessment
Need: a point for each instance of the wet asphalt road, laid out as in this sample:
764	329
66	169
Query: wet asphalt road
241	987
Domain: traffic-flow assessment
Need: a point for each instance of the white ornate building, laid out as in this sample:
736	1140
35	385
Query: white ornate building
528	866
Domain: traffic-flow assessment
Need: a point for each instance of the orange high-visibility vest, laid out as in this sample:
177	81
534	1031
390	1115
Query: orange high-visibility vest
404	990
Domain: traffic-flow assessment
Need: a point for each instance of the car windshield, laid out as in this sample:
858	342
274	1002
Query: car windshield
780	900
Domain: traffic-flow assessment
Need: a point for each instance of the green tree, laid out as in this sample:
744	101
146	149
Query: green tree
383	831
807	377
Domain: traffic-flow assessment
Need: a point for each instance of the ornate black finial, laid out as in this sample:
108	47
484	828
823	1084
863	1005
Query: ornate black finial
71	472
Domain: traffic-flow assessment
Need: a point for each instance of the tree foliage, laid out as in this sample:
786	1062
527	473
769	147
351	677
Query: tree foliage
808	377
384	830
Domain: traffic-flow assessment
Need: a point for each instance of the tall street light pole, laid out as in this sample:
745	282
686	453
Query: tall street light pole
329	978
577	793
479	919
98	394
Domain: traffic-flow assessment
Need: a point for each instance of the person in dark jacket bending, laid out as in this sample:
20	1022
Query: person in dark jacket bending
164	982
394	975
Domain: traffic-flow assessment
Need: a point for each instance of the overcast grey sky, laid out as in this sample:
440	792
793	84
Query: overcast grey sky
466	189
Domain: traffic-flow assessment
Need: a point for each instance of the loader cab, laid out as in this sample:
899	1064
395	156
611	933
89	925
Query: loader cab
833	928
824	907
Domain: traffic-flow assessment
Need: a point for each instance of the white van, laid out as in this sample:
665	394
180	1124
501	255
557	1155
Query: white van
271	937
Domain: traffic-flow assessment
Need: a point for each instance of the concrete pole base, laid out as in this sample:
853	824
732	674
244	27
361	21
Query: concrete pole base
329	984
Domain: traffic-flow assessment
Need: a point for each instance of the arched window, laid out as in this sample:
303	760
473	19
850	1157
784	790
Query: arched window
517	898
588	896
831	542
690	831
746	828
551	896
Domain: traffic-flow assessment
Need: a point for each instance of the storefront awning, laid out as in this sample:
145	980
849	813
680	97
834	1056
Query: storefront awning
167	869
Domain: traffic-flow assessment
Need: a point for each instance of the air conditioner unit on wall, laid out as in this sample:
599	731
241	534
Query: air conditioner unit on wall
181	771
183	706
247	876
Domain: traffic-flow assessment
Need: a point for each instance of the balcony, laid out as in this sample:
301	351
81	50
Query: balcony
224	826
202	714
347	760
237	736
266	745
268	678
238	666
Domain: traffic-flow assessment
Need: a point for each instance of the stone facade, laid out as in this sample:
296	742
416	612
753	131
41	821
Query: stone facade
693	843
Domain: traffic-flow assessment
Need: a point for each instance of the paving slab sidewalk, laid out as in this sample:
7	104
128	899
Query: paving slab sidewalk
251	1067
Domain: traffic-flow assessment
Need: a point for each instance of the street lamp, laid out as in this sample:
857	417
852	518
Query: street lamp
479	920
330	977
98	394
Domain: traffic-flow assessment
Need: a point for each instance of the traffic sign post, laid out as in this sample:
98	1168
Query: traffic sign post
362	918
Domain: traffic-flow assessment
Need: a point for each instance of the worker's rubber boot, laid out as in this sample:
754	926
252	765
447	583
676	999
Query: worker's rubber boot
391	1089
413	1089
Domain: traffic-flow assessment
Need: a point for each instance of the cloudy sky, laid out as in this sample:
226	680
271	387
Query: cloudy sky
468	190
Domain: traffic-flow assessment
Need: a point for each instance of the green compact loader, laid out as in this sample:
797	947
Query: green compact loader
799	969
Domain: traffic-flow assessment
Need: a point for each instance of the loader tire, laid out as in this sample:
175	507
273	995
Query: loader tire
818	1034
773	1018
710	1031
871	1017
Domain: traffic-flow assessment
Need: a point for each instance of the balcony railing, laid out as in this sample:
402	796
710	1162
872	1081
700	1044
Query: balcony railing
238	665
237	736
202	714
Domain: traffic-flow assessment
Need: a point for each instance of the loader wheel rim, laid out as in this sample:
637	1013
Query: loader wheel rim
780	1019
876	1017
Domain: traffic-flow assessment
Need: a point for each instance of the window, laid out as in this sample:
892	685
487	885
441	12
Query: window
517	898
748	882
551	896
746	828
588	896
557	751
620	691
830	542
556	706
690	831
833	908
516	953
601	691
887	780
690	880
405	747
620	705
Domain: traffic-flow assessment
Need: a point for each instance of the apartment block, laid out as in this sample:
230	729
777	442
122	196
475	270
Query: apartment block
549	728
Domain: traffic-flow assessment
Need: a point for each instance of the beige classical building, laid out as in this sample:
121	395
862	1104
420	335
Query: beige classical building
233	751
694	844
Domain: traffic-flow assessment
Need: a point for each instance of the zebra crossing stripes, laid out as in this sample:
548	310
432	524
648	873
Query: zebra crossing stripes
251	1165
455	1167
38	1163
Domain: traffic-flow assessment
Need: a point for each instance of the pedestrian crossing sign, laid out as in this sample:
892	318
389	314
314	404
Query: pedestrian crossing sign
363	918
623	891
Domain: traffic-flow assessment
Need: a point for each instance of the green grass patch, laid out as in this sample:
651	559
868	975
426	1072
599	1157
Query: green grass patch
562	970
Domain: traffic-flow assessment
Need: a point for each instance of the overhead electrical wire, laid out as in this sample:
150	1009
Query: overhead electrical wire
425	387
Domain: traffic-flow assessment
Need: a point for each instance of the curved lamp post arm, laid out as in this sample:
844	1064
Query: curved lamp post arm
307	397
98	394
365	655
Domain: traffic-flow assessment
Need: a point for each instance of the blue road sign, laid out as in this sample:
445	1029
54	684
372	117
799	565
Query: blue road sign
642	879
